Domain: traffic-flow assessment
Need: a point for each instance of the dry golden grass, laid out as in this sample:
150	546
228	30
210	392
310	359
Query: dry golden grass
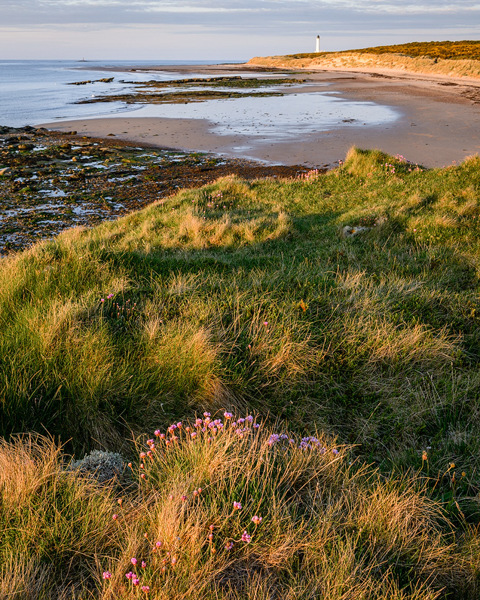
363	61
328	529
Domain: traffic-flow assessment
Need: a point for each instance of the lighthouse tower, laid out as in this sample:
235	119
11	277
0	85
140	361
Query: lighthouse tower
317	47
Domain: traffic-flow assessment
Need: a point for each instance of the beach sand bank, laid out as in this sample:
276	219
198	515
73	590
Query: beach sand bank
438	122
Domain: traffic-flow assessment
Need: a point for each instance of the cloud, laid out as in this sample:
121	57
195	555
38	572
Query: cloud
288	24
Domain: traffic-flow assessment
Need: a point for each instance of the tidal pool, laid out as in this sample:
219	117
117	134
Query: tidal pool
277	118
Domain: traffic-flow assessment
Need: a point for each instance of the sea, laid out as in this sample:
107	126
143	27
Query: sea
38	91
33	92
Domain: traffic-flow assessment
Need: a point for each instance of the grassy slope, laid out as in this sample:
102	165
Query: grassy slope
455	59
246	296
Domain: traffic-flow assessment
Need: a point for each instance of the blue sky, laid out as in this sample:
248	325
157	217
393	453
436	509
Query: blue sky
222	29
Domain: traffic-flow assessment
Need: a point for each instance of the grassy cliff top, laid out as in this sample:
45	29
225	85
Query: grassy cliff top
466	49
452	59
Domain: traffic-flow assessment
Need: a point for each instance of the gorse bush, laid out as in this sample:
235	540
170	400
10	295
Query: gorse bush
466	49
222	508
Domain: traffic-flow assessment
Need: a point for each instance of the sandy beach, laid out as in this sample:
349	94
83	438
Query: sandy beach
438	122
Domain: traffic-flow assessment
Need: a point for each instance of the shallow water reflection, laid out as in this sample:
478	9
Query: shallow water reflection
277	118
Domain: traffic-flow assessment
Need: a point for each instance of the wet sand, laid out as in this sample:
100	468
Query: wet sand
439	122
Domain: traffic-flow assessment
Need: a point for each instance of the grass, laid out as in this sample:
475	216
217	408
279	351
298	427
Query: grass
246	296
466	49
441	58
229	511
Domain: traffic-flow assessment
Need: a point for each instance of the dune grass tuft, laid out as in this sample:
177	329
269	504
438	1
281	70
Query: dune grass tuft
222	508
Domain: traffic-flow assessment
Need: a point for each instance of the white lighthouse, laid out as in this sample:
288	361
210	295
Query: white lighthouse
317	47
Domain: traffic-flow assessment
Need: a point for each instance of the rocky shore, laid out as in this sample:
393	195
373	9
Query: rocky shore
52	181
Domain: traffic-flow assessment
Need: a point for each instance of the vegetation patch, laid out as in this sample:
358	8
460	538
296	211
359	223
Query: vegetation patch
247	297
466	49
224	507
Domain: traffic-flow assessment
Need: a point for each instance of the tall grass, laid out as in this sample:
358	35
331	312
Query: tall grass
247	295
217	509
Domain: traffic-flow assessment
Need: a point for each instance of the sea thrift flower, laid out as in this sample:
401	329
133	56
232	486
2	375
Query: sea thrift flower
183	498
144	564
115	517
130	575
257	520
246	538
174	560
135	580
143	454
335	451
237	506
228	545
207	414
158	544
249	418
145	589
193	435
107	575
150	442
228	415
133	561
142	475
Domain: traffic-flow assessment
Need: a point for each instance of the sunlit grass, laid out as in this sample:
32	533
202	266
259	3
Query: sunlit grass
222	509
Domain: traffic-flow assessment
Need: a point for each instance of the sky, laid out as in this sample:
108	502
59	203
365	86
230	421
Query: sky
222	29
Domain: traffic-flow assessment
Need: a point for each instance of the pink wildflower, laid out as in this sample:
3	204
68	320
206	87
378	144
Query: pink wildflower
144	564
257	520
246	537
145	589
228	415
135	580
228	545
107	575
158	544
133	561
115	517
130	575
207	414
237	506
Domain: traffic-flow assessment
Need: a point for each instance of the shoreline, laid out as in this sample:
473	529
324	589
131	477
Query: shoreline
437	124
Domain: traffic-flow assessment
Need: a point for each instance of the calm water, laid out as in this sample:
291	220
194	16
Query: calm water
34	92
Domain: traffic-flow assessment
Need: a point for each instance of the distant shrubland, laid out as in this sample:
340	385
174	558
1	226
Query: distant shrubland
459	59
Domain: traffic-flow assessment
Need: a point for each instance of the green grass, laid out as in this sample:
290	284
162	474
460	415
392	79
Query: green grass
245	296
466	49
225	515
